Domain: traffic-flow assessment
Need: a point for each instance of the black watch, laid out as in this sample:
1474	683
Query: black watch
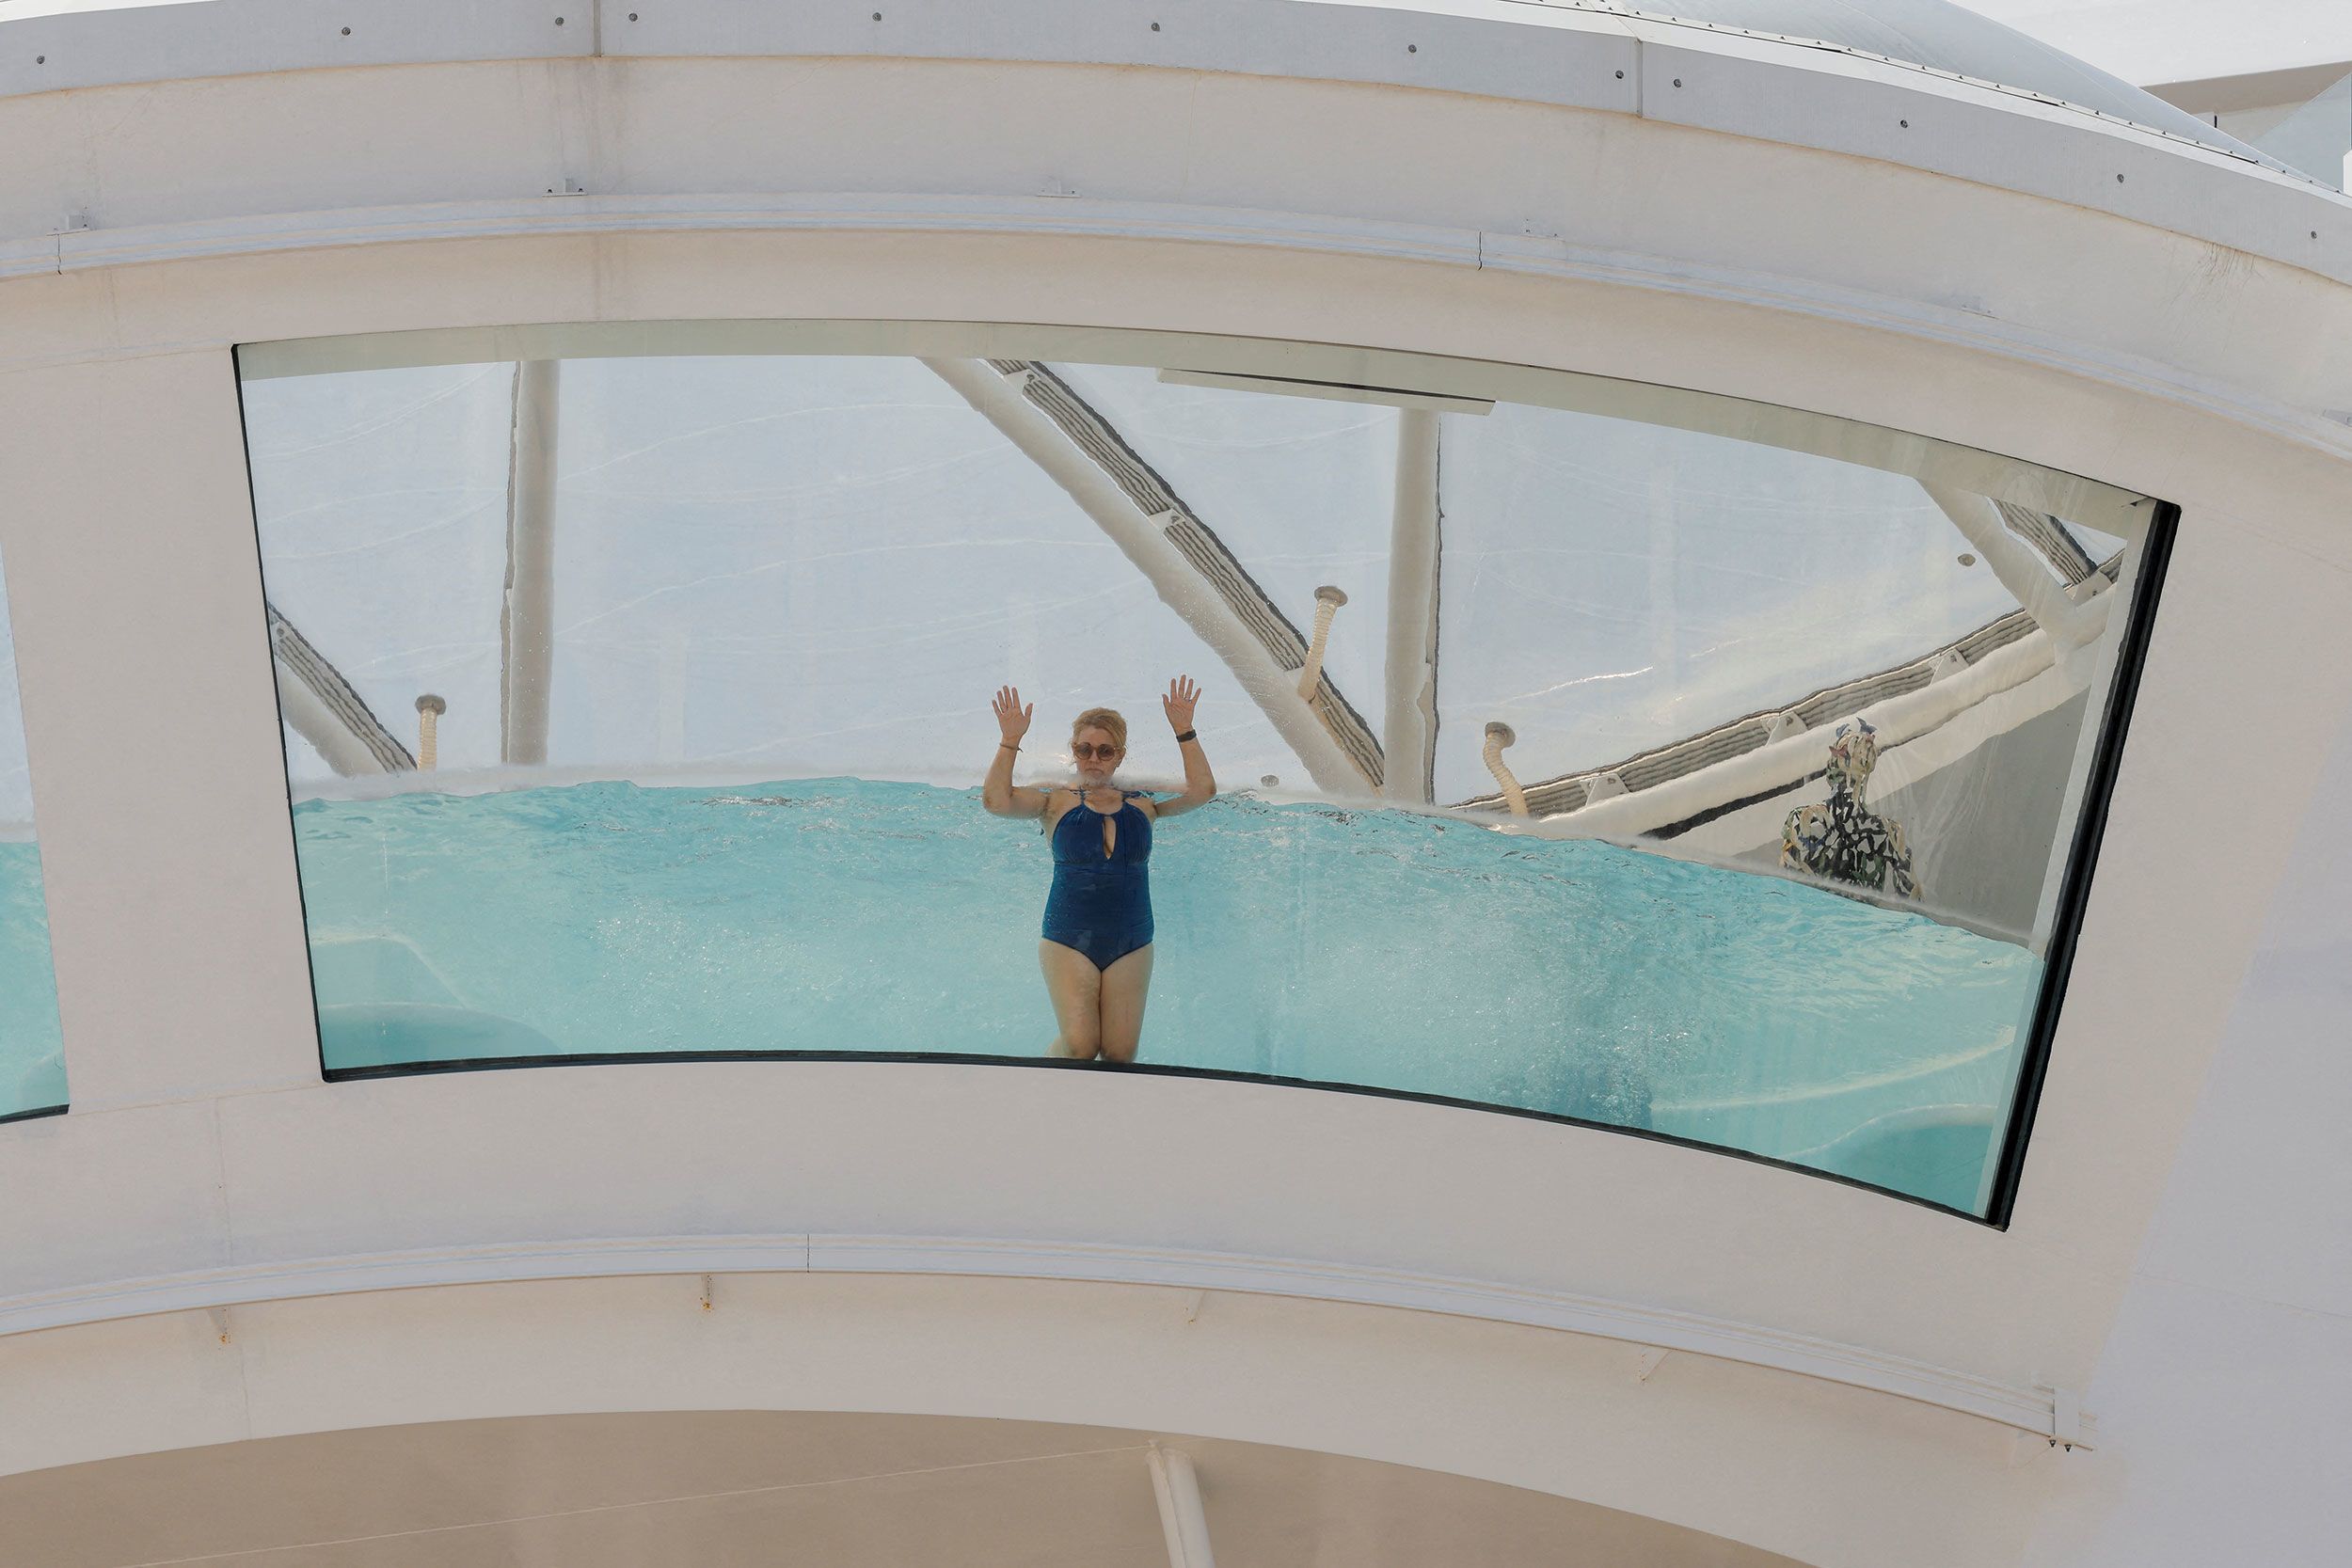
1188	735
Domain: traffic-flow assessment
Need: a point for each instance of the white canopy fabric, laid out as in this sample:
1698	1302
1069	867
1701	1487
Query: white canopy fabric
825	565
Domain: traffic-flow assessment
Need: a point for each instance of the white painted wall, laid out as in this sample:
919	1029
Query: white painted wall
1775	233
2224	1385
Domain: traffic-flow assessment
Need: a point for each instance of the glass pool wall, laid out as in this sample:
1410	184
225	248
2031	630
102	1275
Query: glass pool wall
32	1061
706	648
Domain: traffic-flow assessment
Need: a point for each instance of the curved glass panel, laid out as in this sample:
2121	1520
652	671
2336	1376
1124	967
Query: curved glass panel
1655	769
32	1061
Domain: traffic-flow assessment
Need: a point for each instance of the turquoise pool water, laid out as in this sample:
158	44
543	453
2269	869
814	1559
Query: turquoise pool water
32	1069
1378	948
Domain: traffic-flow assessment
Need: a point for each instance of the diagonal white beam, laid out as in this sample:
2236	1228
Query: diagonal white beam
1182	1520
1144	541
1408	726
324	708
2019	567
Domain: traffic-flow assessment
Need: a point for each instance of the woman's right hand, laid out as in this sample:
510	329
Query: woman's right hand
1011	718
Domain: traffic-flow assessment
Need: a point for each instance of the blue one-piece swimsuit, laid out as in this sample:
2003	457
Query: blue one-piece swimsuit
1100	904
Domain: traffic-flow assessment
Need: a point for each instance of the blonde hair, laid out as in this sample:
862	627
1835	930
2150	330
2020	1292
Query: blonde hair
1100	718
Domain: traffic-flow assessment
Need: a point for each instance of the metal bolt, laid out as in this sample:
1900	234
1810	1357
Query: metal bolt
1620	75
1904	123
1677	81
1412	49
346	32
2118	179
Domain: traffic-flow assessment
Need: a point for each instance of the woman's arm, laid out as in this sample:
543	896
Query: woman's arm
999	793
1199	784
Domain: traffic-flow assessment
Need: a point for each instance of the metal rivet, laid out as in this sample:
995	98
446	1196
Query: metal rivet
1620	75
558	22
632	16
1412	49
1677	81
43	60
1904	123
2118	179
1155	27
346	32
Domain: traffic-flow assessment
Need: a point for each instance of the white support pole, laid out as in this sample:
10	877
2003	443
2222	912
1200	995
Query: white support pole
1180	587
1409	723
1182	1520
526	622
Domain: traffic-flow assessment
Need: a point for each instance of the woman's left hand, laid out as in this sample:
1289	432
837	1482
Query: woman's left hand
1183	696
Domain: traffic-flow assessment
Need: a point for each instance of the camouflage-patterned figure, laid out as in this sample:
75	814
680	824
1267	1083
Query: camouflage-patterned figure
1844	841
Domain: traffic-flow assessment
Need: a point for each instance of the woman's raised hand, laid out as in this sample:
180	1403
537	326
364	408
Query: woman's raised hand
1183	694
1011	718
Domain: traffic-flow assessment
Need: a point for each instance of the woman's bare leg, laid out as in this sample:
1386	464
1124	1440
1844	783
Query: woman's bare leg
1076	987
1124	987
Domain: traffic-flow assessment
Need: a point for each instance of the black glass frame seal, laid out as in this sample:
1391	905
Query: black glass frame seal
278	697
2131	658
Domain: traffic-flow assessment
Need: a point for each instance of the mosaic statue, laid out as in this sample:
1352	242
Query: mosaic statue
1844	840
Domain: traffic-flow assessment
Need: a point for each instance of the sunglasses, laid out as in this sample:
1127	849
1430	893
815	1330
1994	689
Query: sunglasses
1084	751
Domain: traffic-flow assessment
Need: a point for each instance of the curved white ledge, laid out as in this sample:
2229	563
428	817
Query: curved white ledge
2043	1413
1696	74
1077	218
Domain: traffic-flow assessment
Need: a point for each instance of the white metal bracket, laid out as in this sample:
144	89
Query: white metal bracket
2066	1419
2069	1428
1645	1361
220	1322
705	1293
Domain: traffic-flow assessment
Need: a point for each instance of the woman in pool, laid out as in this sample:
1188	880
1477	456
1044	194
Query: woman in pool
1097	946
